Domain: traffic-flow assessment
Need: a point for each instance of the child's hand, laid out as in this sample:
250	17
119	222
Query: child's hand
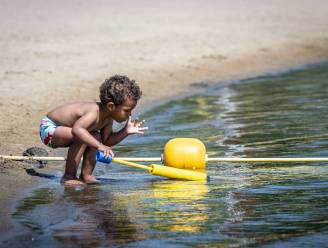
107	150
135	126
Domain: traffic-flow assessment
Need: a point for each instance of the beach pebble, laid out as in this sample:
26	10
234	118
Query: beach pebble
36	151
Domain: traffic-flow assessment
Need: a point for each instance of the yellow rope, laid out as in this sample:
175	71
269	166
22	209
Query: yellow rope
268	160
158	159
141	166
22	158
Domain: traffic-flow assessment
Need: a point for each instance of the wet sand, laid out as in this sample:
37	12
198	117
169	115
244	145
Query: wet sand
53	52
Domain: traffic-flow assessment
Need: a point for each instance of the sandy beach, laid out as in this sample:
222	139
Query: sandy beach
53	52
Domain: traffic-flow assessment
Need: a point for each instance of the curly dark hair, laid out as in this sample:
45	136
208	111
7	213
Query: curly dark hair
117	89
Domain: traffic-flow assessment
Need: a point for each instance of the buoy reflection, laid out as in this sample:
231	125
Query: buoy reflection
180	205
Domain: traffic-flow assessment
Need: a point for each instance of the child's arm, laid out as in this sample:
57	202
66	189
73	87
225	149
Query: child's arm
132	127
80	131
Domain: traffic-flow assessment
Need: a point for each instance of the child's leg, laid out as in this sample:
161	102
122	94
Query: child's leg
63	137
89	162
74	155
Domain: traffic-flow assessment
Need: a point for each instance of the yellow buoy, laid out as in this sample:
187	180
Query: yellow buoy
185	153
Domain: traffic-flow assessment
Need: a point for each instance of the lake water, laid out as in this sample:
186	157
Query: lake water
243	204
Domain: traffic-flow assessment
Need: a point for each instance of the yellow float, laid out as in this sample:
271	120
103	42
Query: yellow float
185	153
184	158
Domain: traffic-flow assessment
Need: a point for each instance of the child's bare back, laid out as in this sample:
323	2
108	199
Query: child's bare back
68	114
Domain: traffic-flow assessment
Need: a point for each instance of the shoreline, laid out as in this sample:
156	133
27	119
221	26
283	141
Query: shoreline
55	52
224	74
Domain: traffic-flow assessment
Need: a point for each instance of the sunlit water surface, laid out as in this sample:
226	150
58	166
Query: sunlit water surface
267	205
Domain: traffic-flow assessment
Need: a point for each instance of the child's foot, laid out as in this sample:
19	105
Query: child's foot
90	180
71	182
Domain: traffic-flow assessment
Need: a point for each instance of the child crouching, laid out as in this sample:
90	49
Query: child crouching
86	127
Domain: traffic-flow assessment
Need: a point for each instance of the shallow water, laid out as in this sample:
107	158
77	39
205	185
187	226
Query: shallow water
266	205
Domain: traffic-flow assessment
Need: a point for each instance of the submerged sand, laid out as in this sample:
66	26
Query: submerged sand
53	52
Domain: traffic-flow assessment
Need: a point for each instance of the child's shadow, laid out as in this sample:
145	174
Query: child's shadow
33	172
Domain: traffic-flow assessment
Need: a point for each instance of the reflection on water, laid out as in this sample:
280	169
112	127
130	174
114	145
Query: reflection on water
104	217
267	205
182	203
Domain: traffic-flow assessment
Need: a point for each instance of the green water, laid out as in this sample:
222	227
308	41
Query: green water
243	205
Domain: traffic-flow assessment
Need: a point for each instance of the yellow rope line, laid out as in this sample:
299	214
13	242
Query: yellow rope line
268	160
321	136
141	166
158	159
23	158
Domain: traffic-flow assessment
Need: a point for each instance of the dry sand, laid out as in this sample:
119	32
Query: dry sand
55	51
